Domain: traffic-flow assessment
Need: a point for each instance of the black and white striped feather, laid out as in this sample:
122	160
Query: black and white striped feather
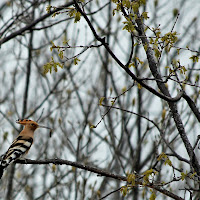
18	149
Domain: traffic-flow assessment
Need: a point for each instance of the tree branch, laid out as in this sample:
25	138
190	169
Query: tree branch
192	106
57	161
45	99
98	171
172	105
133	76
31	25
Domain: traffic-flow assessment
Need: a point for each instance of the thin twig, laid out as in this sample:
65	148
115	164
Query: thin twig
44	100
110	193
175	22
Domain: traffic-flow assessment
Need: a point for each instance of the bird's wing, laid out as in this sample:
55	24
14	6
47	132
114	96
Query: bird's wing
18	148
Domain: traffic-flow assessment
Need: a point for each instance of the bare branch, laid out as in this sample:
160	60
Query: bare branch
98	171
31	25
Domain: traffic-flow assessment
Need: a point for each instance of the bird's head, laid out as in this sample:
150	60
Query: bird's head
30	124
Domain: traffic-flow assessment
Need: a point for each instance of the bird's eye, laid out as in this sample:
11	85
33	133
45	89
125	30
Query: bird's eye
32	124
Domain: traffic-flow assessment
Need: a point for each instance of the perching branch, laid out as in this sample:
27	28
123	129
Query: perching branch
58	161
98	171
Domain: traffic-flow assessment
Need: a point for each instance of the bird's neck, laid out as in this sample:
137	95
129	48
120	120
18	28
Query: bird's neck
28	132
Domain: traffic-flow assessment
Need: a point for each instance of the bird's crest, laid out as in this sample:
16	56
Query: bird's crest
26	122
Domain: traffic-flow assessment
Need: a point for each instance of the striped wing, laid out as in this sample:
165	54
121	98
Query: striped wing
18	148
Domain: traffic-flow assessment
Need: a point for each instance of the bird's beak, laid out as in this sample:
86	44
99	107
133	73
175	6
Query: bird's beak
51	130
41	126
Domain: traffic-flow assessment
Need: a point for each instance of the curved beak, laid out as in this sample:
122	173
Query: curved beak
51	130
41	126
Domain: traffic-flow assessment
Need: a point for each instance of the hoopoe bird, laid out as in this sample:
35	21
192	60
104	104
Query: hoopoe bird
22	144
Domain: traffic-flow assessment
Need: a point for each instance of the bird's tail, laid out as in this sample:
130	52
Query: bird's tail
1	171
